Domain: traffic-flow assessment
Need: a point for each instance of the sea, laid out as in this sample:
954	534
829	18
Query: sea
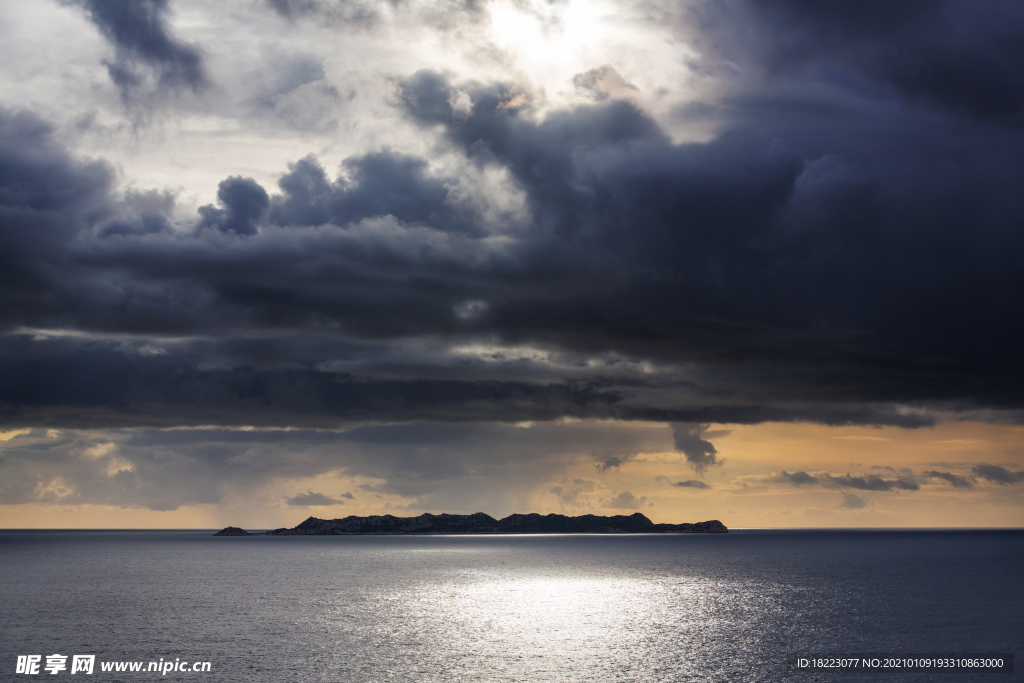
593	608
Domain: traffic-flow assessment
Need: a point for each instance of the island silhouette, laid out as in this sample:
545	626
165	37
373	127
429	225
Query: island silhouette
481	523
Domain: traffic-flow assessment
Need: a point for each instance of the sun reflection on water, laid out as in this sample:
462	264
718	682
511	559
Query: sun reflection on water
554	627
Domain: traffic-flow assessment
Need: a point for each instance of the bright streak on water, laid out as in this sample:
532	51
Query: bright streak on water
529	608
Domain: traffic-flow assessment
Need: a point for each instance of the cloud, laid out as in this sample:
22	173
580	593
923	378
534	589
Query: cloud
431	467
143	212
574	496
380	255
349	12
47	198
624	501
604	82
699	453
949	54
570	497
691	484
905	480
311	499
244	202
772	272
365	15
807	213
997	475
613	462
377	184
797	478
147	57
851	501
871	483
56	381
956	480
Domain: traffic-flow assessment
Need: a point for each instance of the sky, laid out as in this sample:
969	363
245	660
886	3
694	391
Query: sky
755	261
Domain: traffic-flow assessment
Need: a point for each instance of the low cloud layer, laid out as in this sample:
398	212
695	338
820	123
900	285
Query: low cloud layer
905	479
797	478
955	480
311	499
905	482
492	467
625	500
998	475
691	484
851	501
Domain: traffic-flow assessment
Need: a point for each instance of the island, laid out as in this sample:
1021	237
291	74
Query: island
481	523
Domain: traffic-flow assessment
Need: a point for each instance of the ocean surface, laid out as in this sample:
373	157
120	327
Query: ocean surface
716	607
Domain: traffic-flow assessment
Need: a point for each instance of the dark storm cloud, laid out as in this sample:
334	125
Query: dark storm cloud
964	56
378	281
377	184
997	474
72	384
844	250
542	156
62	382
146	54
736	246
46	198
700	453
99	384
142	213
245	202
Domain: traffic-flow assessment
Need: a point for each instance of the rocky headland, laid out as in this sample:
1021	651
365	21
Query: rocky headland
480	523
